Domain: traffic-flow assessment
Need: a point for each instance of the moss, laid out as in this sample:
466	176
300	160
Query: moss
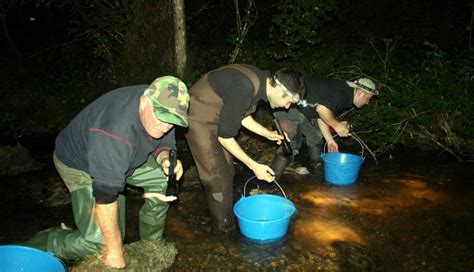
139	256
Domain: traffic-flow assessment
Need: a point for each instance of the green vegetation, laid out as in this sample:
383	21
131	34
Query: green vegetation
296	26
426	89
426	97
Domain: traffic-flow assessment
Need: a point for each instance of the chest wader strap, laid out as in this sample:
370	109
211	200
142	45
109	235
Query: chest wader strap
255	82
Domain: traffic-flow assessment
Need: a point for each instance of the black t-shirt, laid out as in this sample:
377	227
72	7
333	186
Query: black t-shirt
334	94
237	93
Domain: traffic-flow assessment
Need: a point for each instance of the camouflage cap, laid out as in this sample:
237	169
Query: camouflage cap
170	99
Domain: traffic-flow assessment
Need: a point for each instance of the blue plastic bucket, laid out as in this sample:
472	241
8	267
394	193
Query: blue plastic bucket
21	258
264	218
341	168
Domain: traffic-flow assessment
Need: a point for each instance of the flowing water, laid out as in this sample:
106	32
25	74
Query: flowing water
411	213
414	213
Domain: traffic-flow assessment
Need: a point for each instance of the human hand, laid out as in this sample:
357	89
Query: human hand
178	170
263	172
332	146
113	259
342	129
275	136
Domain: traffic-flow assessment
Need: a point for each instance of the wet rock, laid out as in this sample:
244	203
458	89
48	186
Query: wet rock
295	245
356	257
234	252
274	264
220	250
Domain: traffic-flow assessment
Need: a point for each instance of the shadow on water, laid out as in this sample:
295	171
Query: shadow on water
412	213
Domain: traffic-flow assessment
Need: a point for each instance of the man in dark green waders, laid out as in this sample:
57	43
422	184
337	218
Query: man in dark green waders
221	102
316	114
122	137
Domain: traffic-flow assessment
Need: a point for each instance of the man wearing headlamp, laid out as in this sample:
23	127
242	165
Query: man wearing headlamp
316	115
221	103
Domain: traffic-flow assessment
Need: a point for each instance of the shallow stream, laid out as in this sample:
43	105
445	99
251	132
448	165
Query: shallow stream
414	212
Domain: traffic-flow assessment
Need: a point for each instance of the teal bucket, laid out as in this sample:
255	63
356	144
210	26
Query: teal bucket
341	168
27	259
264	218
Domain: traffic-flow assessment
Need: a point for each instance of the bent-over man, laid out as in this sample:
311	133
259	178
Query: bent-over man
221	103
316	114
122	137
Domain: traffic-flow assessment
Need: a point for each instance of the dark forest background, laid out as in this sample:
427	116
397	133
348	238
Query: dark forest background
57	56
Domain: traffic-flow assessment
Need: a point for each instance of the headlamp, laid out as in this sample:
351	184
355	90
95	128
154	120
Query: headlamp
300	102
366	88
304	103
285	90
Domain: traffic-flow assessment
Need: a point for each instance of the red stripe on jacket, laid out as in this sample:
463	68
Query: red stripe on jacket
112	136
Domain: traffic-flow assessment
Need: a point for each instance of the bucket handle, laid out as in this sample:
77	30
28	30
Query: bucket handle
281	189
245	187
335	135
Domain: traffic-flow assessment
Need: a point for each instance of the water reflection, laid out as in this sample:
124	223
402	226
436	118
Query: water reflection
326	232
257	252
373	200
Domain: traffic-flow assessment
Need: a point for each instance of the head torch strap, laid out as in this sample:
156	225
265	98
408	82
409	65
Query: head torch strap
304	103
286	91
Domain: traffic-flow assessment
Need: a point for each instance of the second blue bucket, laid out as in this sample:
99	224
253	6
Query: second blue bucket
341	168
264	218
27	259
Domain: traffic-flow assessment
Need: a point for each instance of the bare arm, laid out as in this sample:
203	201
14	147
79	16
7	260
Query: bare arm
261	171
107	216
332	145
328	117
325	130
254	126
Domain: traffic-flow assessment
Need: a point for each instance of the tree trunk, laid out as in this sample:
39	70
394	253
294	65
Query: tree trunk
179	37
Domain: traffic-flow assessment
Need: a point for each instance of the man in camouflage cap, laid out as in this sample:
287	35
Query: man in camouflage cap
122	137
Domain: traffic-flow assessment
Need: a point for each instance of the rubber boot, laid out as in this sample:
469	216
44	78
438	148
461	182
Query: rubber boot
221	213
40	241
152	219
87	239
151	232
315	158
279	164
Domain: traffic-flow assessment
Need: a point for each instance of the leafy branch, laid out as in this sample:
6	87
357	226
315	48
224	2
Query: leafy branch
385	57
242	26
